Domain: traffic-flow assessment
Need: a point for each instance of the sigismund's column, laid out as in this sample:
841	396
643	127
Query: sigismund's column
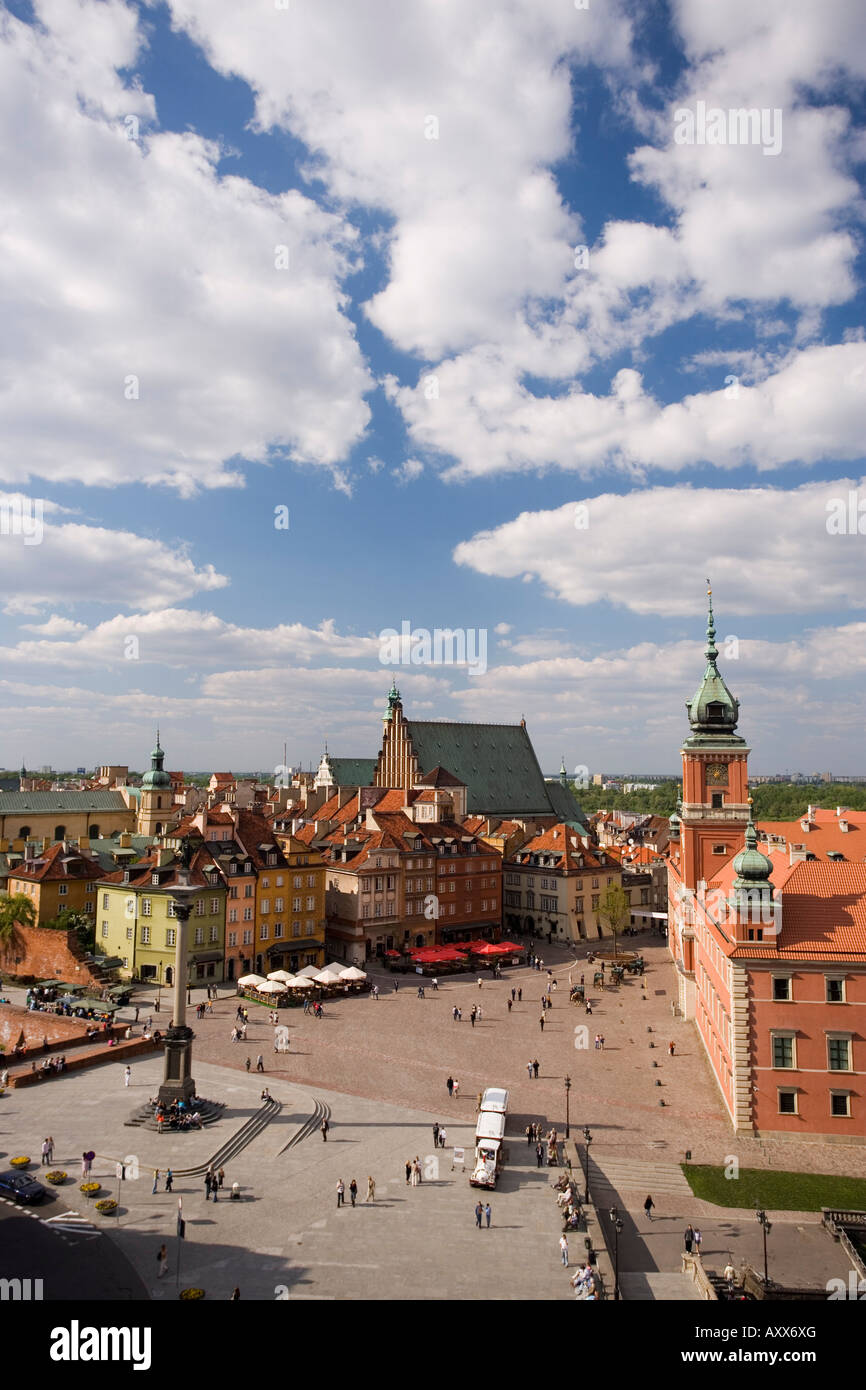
177	1081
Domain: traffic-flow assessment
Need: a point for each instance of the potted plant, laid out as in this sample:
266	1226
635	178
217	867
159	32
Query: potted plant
20	1162
191	1293
90	1189
55	1176
107	1206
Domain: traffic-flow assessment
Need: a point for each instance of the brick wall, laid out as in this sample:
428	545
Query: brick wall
35	1026
47	955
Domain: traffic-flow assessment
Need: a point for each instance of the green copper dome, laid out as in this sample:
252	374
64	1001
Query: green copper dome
752	868
393	699
156	777
712	709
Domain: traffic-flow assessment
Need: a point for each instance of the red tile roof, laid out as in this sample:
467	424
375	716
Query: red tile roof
58	863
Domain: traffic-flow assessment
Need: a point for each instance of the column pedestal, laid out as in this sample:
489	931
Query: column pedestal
178	1083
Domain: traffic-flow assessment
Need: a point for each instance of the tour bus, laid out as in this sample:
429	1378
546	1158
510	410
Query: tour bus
489	1138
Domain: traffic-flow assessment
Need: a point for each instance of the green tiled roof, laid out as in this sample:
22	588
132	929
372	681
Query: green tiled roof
16	803
498	764
353	772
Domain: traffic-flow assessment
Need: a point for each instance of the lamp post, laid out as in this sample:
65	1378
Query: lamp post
616	1221
766	1228
587	1141
567	1089
177	1081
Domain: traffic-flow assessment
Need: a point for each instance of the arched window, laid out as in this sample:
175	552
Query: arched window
60	832
93	832
159	803
24	832
158	830
169	975
419	940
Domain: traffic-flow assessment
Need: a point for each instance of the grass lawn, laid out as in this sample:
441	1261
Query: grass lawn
774	1190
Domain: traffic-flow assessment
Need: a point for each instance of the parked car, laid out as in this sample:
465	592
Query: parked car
20	1187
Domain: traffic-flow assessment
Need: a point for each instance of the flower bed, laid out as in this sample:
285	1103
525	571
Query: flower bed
90	1189
107	1206
19	1162
191	1293
56	1176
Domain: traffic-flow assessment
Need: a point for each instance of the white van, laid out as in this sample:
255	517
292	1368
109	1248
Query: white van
490	1125
495	1098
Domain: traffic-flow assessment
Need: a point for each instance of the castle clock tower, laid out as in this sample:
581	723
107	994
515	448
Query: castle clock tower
715	804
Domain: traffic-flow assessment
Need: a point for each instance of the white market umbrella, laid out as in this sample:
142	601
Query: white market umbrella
251	980
281	975
271	987
300	982
327	977
353	973
336	967
309	972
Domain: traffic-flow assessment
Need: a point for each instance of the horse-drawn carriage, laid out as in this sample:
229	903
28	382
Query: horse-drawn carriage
578	994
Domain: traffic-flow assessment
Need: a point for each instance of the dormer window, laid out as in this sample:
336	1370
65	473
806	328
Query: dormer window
154	878
126	875
715	710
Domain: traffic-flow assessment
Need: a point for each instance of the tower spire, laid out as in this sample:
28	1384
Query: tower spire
712	650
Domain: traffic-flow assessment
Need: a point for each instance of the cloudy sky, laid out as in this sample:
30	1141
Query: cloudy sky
321	318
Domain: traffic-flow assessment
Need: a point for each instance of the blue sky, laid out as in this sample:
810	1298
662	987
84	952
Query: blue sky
435	380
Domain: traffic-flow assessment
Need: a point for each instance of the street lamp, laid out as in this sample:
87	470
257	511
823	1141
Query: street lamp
587	1141
766	1228
617	1223
567	1089
177	1081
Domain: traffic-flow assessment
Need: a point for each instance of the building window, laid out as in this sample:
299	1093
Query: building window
835	990
839	1054
233	938
248	914
297	881
214	933
716	801
233	892
783	1051
278	930
279	880
171	936
720	849
199	936
278	904
145	935
266	905
595	898
62	889
145	907
311	880
309	929
170	908
781	988
105	929
105	902
296	929
199	907
366	910
129	933
840	1103
154	878
787	1102
263	931
233	914
248	938
311	902
248	890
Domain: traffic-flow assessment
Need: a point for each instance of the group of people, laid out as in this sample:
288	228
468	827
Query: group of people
177	1115
203	1008
413	1171
353	1191
47	1151
568	1201
452	1085
50	1066
439	1135
532	1069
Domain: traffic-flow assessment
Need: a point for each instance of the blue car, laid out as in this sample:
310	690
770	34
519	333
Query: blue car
20	1188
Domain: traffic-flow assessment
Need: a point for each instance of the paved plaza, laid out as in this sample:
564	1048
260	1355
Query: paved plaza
381	1067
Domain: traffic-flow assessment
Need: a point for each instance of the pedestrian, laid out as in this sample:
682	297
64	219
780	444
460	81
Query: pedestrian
155	1181
376	993
214	1185
528	1133
248	1064
162	1261
487	1215
513	995
44	1151
479	1212
408	1167
260	1063
169	1179
443	1135
450	1085
588	1007
235	1295
563	1249
207	1186
416	1173
597	1041
221	1176
472	1016
539	1155
324	1127
520	995
371	1190
235	1035
435	982
671	1049
127	1076
480	982
395	987
510	1003
456	1088
480	1015
353	1191
648	1207
454	1013
535	1068
688	1237
601	1041
137	1007
554	984
541	1023
341	1192
478	1102
420	992
436	1134
51	1148
529	1070
581	979
697	1239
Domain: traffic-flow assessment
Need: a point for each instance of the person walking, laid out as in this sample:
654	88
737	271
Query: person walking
539	1155
563	1249
541	1023
648	1207
248	1064
671	1049
456	1088
341	1192
472	1016
44	1151
169	1179
480	981
221	1176
443	1135
408	1167
235	1295
436	1134
480	1015
601	1042
450	1086
162	1260
416	1173
127	1076
375	993
688	1238
510	1003
528	1133
520	995
260	1063
435	983
353	1191
478	1102
697	1239
479	1212
324	1127
487	1214
207	1186
51	1148
155	1187
513	995
529	1070
535	1068
371	1190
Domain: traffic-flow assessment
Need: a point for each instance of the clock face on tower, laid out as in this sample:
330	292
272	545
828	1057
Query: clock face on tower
717	774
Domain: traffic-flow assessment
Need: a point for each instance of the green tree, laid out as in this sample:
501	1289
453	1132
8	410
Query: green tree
615	910
79	922
15	909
